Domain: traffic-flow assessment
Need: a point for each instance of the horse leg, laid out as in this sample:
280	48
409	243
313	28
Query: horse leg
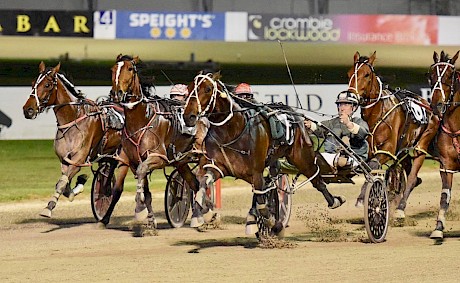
146	167
202	210
332	201
443	204
412	182
117	191
67	171
261	208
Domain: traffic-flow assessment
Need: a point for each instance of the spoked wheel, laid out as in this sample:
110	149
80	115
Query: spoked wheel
284	199
102	188
376	210
178	199
396	180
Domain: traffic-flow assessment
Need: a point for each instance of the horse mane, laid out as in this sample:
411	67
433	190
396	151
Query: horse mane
68	83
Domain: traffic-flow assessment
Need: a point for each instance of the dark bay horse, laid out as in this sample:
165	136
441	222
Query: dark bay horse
152	137
82	136
445	101
390	116
240	143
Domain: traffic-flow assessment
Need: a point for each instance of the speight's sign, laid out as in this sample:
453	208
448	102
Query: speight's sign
46	23
292	28
175	26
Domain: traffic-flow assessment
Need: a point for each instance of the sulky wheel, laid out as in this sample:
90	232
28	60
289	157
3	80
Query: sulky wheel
178	198
376	210
102	189
284	199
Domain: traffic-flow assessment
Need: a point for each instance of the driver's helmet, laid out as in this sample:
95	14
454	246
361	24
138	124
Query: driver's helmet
179	92
244	90
347	97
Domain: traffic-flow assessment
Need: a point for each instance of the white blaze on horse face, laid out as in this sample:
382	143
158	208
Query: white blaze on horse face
440	74
353	83
117	76
34	91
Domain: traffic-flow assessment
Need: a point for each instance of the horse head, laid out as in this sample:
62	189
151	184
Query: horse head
126	86
363	79
44	91
203	93
442	78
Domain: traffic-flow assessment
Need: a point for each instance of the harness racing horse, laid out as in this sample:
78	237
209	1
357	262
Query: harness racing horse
152	137
239	143
393	129
445	101
83	135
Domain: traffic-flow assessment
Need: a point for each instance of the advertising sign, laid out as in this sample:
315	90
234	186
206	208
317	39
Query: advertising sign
170	26
355	29
47	23
105	24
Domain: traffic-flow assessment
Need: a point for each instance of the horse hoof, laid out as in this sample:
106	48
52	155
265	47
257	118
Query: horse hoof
141	215
436	234
100	226
359	203
71	196
251	229
46	213
338	201
278	230
196	222
399	214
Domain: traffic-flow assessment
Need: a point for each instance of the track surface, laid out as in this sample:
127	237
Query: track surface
69	247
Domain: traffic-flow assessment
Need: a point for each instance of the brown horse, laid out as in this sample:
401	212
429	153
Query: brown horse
82	132
393	130
152	137
240	143
445	89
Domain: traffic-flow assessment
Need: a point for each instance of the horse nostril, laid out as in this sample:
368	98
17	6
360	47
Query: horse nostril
29	113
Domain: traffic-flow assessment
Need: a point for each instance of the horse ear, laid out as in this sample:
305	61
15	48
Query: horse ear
119	57
57	68
136	60
372	58
216	76
435	57
454	58
41	67
356	57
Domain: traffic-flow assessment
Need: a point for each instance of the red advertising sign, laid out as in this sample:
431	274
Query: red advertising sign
379	29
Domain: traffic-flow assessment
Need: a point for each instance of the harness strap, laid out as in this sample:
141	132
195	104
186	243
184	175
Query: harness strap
73	123
142	132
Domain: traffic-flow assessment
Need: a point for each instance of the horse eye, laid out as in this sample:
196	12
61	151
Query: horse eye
47	85
367	75
130	69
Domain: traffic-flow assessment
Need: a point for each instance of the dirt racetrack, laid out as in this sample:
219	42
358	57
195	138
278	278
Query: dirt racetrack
321	245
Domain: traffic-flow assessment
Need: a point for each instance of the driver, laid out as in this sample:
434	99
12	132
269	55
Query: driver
244	91
178	92
352	130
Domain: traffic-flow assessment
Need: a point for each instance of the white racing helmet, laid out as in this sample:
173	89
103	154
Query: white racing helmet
347	97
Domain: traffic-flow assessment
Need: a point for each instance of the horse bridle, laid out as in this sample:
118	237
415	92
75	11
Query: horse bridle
353	85
198	80
446	100
41	103
129	93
